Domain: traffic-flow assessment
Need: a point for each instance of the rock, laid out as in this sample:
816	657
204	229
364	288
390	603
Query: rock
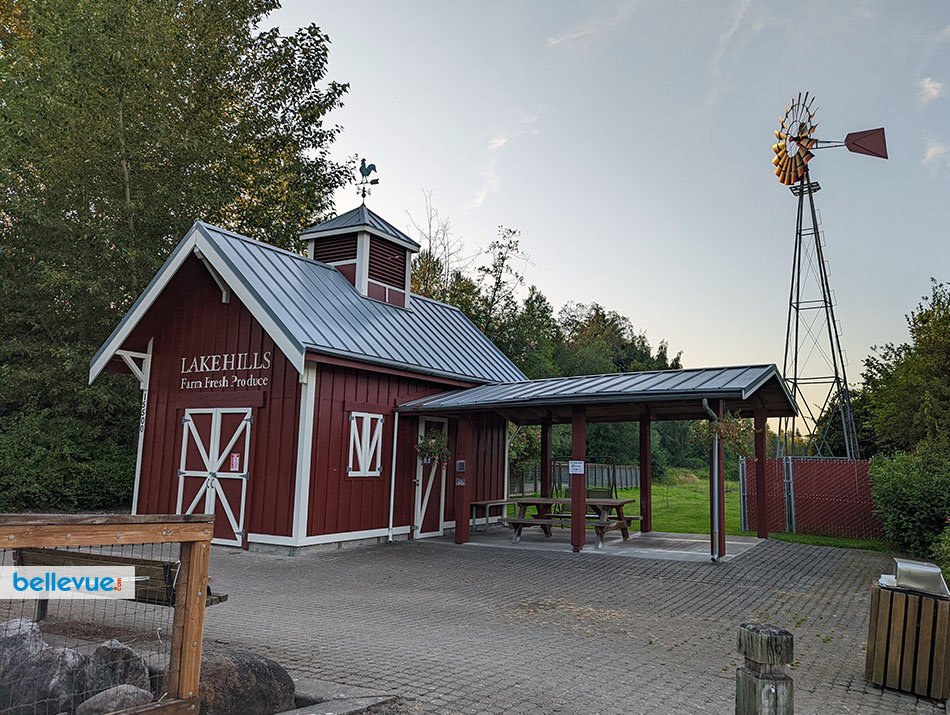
156	676
115	664
113	699
236	682
19	639
49	681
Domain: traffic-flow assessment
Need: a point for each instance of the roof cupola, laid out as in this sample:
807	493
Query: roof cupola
370	252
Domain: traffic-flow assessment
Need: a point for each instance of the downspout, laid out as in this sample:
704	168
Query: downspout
714	482
392	475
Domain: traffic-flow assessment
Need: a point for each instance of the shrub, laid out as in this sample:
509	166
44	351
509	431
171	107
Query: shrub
911	492
60	463
941	551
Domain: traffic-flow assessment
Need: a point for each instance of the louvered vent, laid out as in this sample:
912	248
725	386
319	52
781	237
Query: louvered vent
336	248
387	263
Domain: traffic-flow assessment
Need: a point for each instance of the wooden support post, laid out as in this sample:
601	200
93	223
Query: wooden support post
464	480
547	457
761	503
188	624
579	481
721	485
646	472
763	686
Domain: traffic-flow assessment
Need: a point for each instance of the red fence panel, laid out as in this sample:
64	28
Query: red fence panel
774	496
831	497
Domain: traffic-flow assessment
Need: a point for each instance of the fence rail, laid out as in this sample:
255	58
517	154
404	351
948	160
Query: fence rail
167	634
526	478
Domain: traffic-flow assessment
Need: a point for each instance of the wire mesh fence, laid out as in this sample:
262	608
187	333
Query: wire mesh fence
57	653
811	495
525	478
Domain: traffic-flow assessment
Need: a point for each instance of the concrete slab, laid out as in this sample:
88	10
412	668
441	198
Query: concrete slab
652	545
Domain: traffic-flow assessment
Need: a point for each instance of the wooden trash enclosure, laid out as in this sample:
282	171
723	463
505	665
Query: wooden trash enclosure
37	536
909	643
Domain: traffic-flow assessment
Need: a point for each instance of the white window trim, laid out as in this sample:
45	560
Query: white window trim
366	445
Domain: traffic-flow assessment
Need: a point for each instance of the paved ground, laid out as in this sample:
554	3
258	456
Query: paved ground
477	630
650	545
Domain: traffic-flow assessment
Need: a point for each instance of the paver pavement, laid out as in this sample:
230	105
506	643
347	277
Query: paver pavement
470	629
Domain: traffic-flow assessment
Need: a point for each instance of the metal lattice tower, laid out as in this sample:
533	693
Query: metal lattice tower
814	361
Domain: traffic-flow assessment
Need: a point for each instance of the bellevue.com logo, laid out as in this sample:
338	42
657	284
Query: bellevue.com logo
67	582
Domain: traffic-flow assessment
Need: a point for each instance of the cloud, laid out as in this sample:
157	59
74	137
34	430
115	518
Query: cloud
738	14
935	153
594	26
526	121
489	184
928	89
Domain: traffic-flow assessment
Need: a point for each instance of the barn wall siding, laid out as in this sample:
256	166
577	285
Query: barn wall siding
340	503
191	320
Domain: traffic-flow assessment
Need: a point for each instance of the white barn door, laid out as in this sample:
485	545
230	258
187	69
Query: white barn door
212	477
429	518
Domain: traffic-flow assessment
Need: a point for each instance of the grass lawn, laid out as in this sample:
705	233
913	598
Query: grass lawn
684	508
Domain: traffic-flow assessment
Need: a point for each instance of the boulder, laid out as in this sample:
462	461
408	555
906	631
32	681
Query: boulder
156	676
116	698
19	639
50	681
236	682
113	664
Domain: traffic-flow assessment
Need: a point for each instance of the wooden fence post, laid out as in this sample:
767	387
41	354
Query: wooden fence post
763	686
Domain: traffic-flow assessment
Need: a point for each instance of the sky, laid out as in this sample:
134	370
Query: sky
631	144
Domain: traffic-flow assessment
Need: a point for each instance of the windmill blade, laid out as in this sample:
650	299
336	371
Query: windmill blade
870	142
778	148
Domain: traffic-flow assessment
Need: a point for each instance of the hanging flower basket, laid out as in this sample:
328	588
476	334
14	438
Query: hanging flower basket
434	447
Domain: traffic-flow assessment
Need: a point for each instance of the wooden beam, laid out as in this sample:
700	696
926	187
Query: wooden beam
184	667
761	503
547	456
646	473
43	536
579	481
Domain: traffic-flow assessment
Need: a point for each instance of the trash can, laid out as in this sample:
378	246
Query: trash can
909	631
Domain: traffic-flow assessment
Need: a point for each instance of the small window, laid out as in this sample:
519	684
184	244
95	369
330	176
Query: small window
366	445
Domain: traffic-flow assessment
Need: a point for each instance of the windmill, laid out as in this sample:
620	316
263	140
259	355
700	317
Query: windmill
814	360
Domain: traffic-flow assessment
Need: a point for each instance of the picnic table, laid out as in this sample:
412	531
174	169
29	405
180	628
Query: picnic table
600	517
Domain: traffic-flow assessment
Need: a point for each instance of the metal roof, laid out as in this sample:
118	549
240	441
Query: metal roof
361	218
308	306
619	394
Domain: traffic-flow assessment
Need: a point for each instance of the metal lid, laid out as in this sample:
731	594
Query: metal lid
920	576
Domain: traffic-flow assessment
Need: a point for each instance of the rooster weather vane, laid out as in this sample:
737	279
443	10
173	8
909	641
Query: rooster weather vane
362	188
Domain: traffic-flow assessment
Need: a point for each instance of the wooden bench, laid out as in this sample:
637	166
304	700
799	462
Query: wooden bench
600	527
155	580
486	504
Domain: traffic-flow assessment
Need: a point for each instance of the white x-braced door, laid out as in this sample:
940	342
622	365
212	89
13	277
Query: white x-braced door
213	475
430	487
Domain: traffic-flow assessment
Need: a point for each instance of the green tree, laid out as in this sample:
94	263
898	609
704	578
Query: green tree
121	122
907	386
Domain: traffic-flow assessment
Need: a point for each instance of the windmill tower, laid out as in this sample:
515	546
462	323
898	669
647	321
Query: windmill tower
814	365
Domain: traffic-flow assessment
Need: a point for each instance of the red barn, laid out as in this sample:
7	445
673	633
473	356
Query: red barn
269	382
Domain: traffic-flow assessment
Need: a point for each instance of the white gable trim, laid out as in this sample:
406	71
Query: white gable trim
196	240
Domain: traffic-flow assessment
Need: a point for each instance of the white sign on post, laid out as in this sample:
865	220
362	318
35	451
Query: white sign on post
575	467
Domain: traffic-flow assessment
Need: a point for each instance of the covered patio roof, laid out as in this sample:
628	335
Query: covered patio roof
618	397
